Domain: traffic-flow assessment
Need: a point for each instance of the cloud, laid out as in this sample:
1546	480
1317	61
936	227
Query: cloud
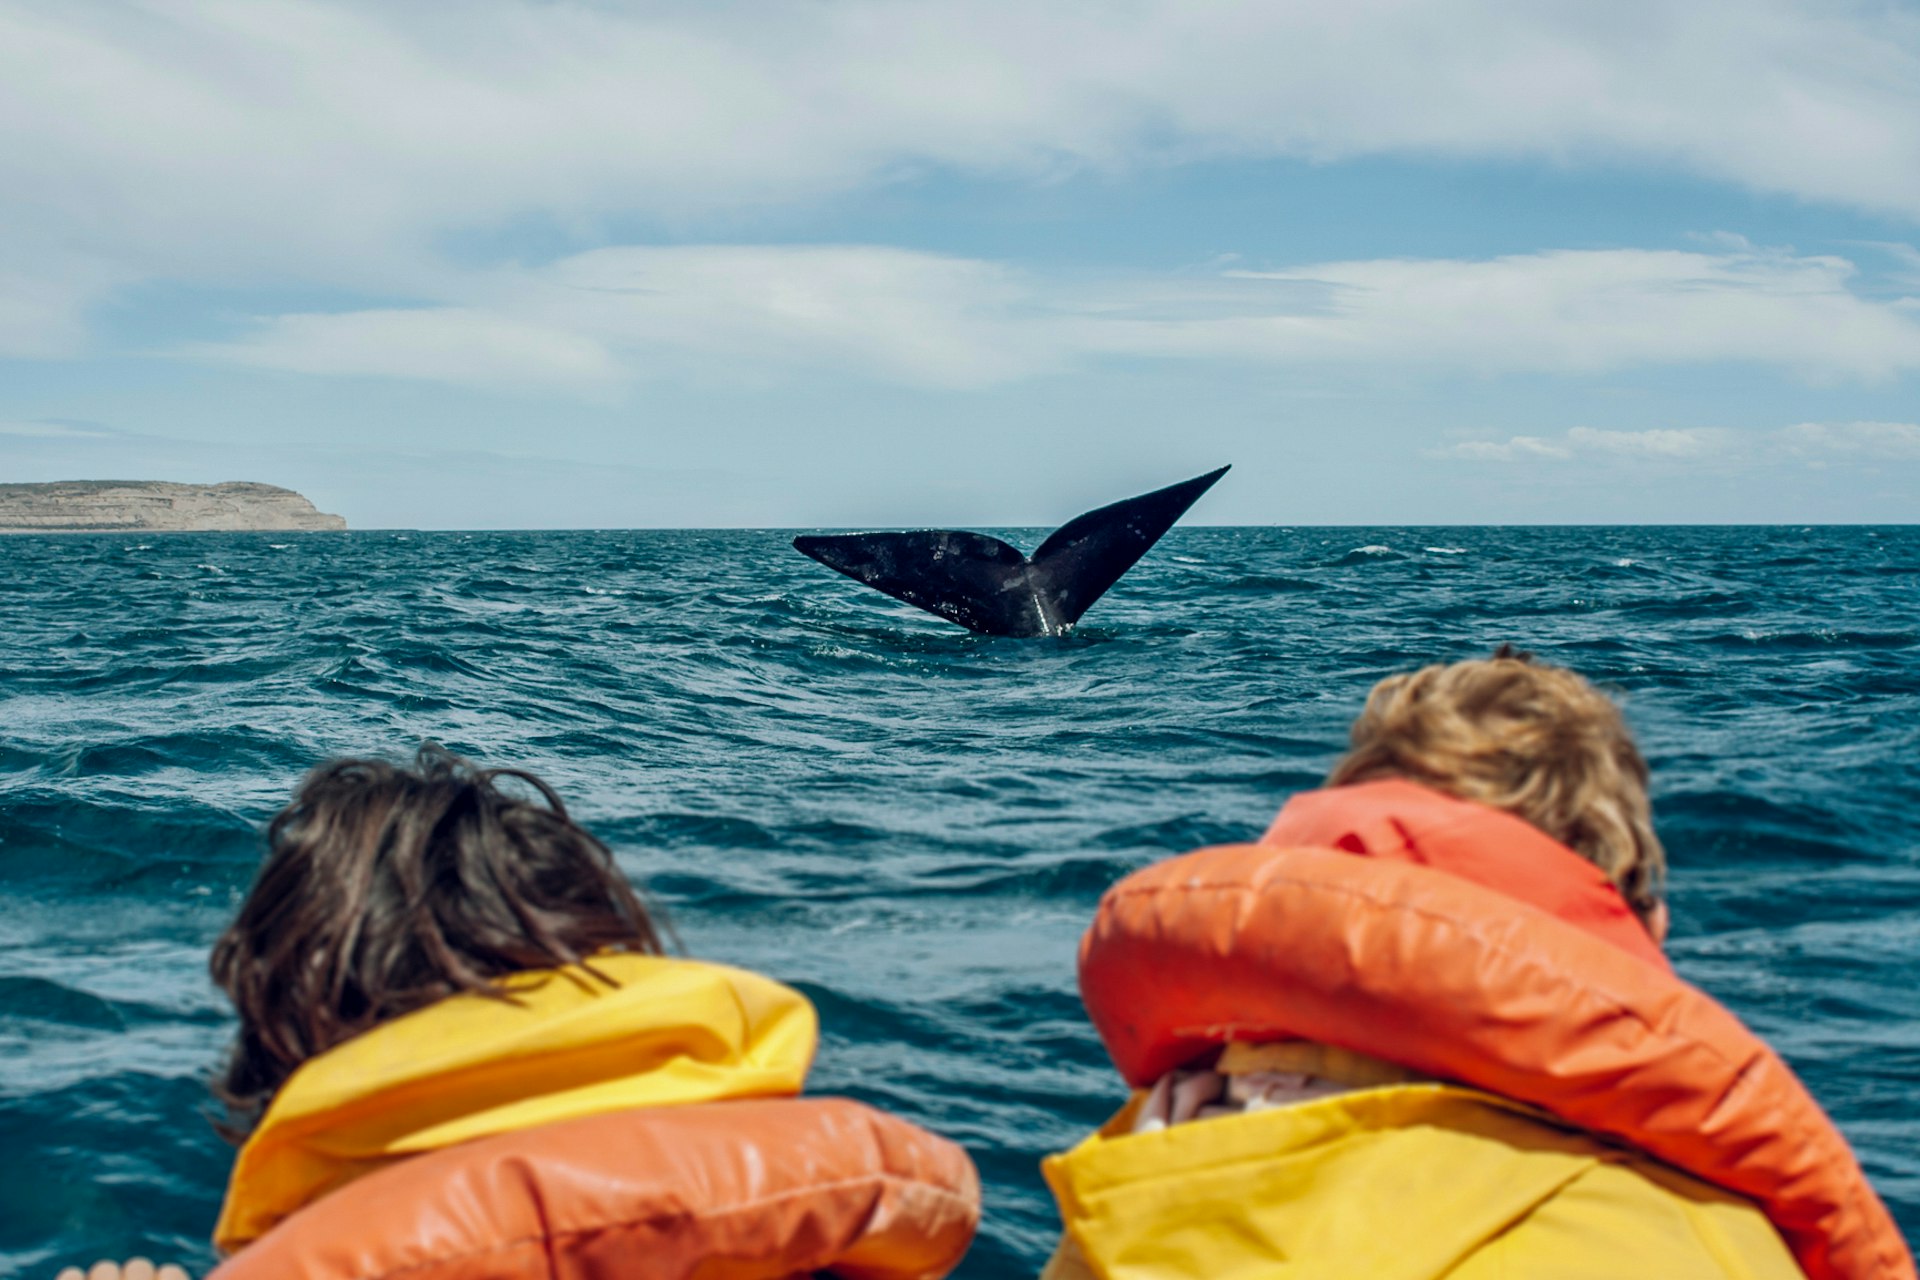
44	302
1585	311
58	429
1590	442
1506	450
725	313
436	344
343	142
1815	442
1692	442
753	311
1891	440
761	313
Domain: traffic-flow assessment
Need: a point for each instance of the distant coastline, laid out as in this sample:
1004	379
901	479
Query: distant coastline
156	506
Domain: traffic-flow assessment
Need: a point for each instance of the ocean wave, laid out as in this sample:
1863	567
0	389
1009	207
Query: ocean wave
1266	583
1372	553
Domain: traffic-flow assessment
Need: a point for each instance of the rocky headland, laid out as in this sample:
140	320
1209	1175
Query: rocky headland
153	506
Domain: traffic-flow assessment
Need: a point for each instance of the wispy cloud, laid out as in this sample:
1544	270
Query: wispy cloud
436	344
58	429
1689	442
1894	440
771	312
1814	442
725	313
1592	310
45	295
1511	449
1591	442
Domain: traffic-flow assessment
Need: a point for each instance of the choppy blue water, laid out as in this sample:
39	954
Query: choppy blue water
910	823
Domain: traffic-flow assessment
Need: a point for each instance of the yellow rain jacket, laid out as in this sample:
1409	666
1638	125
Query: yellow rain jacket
1406	1182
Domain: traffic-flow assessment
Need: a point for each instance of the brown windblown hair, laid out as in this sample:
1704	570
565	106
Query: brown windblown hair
385	889
1534	740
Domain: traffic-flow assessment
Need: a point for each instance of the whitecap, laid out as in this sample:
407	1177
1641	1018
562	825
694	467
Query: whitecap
212	568
1625	563
278	546
1373	549
1445	551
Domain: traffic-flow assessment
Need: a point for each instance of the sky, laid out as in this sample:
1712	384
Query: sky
842	263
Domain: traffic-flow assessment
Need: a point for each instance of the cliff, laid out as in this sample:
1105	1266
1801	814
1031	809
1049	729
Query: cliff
152	506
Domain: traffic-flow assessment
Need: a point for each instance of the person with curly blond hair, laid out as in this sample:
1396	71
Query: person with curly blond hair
1424	1028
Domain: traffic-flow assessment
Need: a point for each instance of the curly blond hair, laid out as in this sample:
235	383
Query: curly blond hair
1534	740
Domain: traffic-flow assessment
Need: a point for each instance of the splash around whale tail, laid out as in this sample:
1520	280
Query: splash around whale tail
988	586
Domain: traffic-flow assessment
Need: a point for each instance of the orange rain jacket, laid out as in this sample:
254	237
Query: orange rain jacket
1461	943
647	1128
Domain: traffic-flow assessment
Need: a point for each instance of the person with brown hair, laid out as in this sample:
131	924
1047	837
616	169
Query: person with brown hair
387	889
463	1050
1424	1028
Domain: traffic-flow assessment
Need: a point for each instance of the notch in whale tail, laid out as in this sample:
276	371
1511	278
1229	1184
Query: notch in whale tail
988	586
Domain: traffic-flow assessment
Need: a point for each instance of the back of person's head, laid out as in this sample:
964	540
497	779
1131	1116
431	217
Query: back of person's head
1534	740
387	888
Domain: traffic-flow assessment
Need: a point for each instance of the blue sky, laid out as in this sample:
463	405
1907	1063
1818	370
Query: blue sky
538	264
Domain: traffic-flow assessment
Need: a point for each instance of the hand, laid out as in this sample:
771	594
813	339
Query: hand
131	1269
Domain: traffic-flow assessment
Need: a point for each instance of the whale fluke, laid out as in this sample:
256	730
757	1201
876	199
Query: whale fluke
988	586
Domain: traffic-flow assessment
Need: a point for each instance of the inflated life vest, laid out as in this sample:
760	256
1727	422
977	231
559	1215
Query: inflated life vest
1463	944
636	1118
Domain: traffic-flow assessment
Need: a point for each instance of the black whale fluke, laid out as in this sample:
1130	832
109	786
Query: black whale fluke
987	586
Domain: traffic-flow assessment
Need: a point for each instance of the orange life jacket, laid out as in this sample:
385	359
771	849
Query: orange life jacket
755	1189
635	1117
1462	943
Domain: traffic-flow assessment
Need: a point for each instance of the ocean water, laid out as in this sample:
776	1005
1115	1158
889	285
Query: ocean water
910	823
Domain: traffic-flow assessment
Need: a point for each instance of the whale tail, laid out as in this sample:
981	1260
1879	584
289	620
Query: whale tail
988	586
